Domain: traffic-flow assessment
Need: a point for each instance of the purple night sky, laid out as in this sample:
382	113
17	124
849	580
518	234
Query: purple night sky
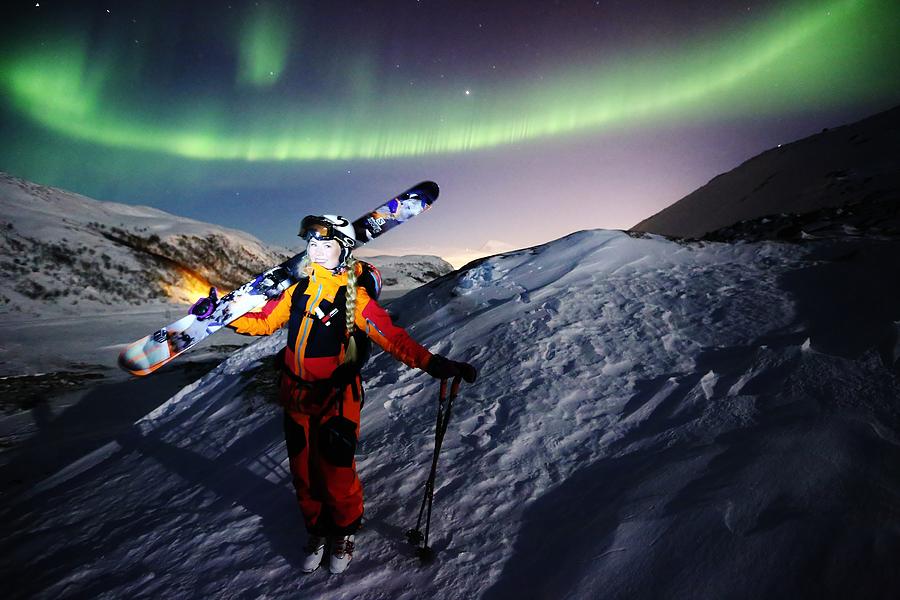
537	119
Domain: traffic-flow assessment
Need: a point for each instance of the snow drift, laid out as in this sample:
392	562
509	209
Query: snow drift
651	420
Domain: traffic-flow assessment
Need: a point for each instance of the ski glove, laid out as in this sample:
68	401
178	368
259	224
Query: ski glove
444	368
204	307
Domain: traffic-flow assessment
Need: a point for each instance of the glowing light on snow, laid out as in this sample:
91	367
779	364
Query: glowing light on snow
189	288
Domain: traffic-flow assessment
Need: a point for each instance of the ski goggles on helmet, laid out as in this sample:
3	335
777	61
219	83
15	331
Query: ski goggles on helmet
321	228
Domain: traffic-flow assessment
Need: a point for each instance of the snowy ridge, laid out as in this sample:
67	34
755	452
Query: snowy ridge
651	420
851	164
65	252
408	271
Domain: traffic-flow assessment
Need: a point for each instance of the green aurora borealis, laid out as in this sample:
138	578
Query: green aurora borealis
253	113
264	47
826	54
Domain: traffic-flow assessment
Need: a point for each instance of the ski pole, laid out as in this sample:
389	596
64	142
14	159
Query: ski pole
415	536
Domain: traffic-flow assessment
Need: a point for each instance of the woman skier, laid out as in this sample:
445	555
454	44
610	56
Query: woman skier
321	389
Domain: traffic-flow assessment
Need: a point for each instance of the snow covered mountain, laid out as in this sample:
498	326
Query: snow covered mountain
652	419
63	252
402	273
854	164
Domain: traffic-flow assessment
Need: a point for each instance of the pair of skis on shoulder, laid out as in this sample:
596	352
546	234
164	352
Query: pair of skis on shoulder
151	352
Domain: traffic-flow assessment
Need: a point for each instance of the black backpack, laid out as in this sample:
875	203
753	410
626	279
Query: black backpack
359	343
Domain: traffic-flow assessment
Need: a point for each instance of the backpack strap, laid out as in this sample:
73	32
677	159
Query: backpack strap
370	278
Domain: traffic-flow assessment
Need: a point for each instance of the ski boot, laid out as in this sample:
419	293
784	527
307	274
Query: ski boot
341	553
314	550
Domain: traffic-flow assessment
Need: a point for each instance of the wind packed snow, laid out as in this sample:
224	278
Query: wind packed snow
651	420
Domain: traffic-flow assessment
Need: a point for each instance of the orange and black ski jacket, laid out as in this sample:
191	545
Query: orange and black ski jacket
314	310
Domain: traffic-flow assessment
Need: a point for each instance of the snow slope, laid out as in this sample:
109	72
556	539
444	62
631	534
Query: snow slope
65	253
651	420
403	273
855	163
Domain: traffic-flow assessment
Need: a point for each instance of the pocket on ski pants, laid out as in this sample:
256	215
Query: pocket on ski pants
294	435
337	441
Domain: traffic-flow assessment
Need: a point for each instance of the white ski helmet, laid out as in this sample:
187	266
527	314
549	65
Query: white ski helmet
328	227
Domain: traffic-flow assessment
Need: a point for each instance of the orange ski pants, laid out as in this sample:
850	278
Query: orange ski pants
321	445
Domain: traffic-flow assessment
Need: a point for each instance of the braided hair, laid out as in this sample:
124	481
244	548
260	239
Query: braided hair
304	267
350	263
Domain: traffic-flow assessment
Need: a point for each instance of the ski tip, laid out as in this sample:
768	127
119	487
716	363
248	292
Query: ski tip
126	365
429	189
140	367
